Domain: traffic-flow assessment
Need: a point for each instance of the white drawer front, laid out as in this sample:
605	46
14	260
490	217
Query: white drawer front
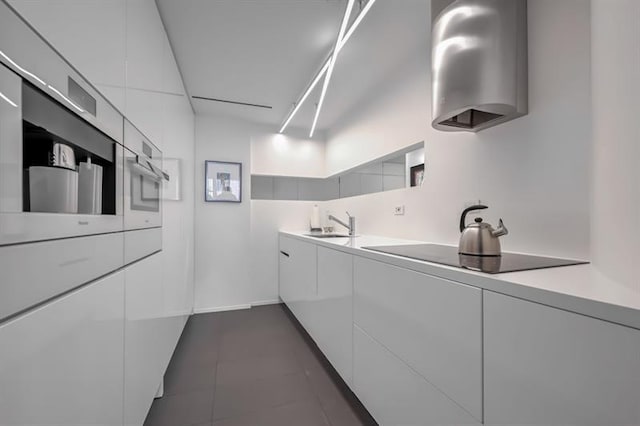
32	273
62	363
396	395
141	243
432	324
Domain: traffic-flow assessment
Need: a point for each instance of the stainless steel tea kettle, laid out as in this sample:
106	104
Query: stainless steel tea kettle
479	238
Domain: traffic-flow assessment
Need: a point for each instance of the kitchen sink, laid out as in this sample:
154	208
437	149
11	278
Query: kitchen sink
329	235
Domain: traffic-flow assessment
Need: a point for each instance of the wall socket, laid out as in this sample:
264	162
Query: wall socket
398	210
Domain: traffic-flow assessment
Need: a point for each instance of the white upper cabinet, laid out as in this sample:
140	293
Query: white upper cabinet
432	324
546	366
62	363
90	34
145	46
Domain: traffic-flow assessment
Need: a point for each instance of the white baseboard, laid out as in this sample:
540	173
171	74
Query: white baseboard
220	309
236	307
266	302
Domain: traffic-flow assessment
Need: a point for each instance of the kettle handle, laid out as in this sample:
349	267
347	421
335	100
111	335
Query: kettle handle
467	210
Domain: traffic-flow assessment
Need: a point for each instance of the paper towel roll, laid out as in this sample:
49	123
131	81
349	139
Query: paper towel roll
315	218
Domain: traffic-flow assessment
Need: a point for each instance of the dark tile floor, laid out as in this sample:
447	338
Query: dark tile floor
252	367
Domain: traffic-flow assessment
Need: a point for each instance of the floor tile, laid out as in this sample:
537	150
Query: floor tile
340	413
185	409
187	374
243	344
303	413
232	400
202	334
229	372
323	386
252	367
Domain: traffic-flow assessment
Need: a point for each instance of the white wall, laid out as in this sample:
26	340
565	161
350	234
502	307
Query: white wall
223	230
533	172
236	244
287	155
616	133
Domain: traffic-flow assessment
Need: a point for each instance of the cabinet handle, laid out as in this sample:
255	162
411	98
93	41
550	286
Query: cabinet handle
286	254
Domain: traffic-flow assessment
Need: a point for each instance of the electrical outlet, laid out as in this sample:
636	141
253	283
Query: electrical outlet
398	211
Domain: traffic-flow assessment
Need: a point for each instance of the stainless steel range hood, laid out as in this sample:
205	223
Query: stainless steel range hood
479	64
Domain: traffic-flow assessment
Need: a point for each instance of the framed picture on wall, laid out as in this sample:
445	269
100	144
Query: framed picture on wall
417	175
222	181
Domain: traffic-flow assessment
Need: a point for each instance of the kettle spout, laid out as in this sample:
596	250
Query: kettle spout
500	230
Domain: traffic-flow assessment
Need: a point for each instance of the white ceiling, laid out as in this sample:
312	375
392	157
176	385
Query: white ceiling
267	51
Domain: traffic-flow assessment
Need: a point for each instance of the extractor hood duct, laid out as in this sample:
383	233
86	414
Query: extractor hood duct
479	64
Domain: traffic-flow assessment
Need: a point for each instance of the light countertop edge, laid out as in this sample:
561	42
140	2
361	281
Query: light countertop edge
578	288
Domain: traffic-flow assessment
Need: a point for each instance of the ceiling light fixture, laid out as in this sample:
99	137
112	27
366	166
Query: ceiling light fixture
306	94
328	65
355	24
332	62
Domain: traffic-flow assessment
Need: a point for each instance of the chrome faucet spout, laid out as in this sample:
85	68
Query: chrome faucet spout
351	226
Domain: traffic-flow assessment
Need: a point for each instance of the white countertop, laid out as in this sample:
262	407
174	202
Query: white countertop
579	288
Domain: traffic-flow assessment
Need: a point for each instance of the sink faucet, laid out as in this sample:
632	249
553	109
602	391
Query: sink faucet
351	226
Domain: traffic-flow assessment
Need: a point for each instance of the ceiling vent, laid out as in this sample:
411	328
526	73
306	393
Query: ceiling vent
479	64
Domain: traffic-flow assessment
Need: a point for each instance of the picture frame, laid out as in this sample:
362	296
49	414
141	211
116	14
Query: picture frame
222	182
417	175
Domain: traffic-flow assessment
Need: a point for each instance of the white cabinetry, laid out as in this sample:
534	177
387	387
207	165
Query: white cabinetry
332	311
298	284
89	27
548	366
316	283
62	364
145	45
33	273
395	394
150	336
432	324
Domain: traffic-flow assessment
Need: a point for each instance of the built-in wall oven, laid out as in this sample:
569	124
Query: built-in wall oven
143	178
61	152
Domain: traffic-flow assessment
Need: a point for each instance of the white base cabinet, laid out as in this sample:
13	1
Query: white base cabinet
316	283
421	350
545	366
332	311
432	324
394	394
62	364
298	284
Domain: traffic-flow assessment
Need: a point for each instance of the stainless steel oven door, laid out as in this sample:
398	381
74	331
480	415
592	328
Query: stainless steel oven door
143	178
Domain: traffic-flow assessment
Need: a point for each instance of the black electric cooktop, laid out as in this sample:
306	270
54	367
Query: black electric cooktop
447	255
